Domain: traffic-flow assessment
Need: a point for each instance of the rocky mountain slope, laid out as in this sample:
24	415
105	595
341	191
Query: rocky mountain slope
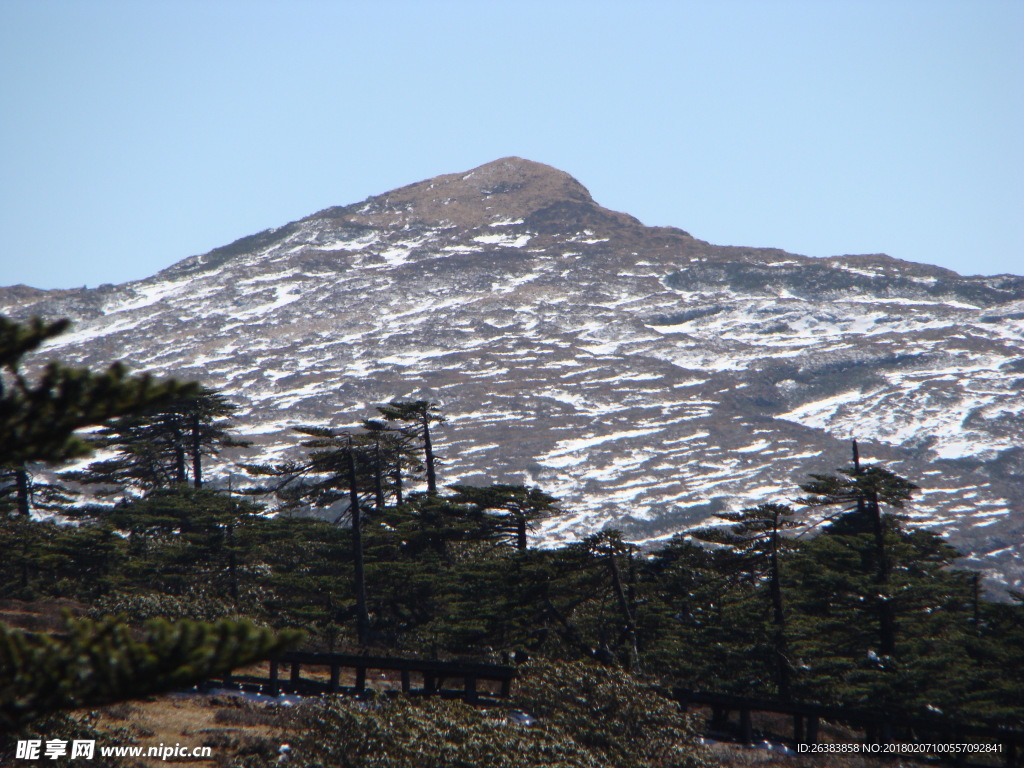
645	377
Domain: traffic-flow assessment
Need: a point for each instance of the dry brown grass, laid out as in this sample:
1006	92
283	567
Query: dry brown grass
227	724
232	726
38	615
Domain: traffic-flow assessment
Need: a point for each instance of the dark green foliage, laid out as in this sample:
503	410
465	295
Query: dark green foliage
337	462
856	489
434	523
95	663
92	662
441	585
43	559
756	545
417	415
164	446
704	624
863	490
835	596
862	613
38	421
394	456
586	717
335	473
298	573
991	678
608	711
202	554
506	512
22	492
182	538
432	732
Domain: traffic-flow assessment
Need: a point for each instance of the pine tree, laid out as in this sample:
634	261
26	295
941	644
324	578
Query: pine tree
46	559
690	618
887	618
429	523
163	447
38	420
183	537
94	663
99	662
755	537
16	490
834	594
20	538
506	512
419	415
394	455
862	490
207	419
341	466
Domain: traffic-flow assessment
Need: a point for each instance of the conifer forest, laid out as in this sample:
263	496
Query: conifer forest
356	543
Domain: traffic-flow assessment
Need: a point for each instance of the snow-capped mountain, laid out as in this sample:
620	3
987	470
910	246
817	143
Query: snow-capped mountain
643	376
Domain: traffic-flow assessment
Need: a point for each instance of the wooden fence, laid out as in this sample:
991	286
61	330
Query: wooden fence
435	676
484	683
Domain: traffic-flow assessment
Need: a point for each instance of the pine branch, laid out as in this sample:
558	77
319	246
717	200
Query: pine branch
95	663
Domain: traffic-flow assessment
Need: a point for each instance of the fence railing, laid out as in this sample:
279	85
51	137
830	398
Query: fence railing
307	673
294	673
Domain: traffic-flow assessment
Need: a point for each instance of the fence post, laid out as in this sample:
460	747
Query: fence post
885	730
812	729
746	729
273	677
681	699
719	718
360	679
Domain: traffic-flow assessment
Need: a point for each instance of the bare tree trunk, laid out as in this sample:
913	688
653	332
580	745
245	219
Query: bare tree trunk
781	652
398	483
23	488
197	453
180	475
521	533
627	614
428	454
378	480
232	563
362	617
886	615
861	503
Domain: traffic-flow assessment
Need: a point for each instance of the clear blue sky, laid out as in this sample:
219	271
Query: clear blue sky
134	134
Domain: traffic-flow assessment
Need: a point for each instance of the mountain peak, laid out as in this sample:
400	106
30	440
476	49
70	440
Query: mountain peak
510	188
646	378
518	178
